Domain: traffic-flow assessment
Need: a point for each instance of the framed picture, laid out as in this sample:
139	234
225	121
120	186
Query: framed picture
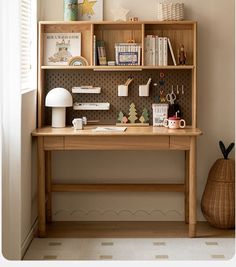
61	47
90	10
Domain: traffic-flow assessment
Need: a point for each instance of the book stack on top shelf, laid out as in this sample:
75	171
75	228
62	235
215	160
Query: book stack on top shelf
156	51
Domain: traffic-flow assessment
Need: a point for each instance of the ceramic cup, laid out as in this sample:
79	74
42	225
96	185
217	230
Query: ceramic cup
174	123
78	124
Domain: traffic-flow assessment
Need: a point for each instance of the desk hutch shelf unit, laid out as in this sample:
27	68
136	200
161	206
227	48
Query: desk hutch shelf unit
181	32
108	77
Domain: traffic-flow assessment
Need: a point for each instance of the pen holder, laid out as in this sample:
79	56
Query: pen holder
144	90
123	90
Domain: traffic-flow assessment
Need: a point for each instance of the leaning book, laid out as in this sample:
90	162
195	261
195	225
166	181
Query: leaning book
61	47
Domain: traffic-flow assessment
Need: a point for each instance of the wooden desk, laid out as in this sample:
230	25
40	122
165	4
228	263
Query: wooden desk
146	138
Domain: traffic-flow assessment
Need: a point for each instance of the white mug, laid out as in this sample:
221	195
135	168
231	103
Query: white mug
78	124
174	123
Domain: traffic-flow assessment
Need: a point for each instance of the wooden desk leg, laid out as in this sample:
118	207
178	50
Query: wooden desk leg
41	189
48	170
192	189
186	197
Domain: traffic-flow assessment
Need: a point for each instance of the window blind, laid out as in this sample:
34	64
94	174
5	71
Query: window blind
28	26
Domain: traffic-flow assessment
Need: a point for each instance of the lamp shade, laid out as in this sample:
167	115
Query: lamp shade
59	97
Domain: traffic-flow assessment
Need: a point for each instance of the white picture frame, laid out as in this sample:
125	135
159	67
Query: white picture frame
61	47
90	10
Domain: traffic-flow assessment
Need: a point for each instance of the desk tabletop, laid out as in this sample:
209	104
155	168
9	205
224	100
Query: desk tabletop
131	131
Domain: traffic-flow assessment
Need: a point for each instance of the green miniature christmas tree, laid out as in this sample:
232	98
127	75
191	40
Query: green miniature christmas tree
120	117
145	115
132	113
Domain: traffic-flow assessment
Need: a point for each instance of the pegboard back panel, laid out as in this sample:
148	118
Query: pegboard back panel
109	82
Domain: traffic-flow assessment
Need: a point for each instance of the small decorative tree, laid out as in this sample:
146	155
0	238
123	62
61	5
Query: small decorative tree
145	115
142	119
120	117
132	113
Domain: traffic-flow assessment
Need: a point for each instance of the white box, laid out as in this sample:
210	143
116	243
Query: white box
160	113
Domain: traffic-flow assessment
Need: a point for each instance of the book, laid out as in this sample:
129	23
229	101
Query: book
165	51
160	51
95	55
156	51
147	50
61	47
171	52
101	51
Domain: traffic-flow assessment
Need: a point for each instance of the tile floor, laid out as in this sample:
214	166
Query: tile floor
131	249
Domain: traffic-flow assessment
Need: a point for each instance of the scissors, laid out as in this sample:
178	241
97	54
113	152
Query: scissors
171	97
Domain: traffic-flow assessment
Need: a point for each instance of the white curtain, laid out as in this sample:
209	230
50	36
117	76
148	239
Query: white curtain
10	108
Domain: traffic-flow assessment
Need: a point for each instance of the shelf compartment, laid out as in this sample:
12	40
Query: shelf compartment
117	33
178	34
84	29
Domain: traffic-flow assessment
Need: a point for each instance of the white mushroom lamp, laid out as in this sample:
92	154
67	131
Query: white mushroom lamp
59	99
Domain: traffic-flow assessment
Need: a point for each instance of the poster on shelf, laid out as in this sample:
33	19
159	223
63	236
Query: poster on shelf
90	10
61	47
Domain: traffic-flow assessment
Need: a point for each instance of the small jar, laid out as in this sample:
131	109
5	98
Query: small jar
70	10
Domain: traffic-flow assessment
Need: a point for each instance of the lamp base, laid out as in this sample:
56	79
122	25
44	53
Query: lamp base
58	117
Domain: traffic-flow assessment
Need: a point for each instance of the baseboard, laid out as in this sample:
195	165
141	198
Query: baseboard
29	238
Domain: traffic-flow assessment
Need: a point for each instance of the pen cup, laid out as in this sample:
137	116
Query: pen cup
123	90
144	90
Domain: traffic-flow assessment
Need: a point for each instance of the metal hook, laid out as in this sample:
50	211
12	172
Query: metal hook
177	90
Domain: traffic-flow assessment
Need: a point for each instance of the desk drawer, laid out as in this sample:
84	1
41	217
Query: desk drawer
116	142
180	142
53	143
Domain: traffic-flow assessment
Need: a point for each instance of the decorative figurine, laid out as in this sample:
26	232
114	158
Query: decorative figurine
120	117
162	97
141	119
125	120
134	19
120	14
145	115
132	113
182	55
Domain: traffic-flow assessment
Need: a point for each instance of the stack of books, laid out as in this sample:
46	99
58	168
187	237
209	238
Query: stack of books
128	54
101	53
156	51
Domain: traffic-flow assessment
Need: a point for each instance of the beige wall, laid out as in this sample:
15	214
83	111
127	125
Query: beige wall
215	117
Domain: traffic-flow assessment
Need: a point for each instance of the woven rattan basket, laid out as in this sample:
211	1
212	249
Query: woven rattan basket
218	201
170	11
